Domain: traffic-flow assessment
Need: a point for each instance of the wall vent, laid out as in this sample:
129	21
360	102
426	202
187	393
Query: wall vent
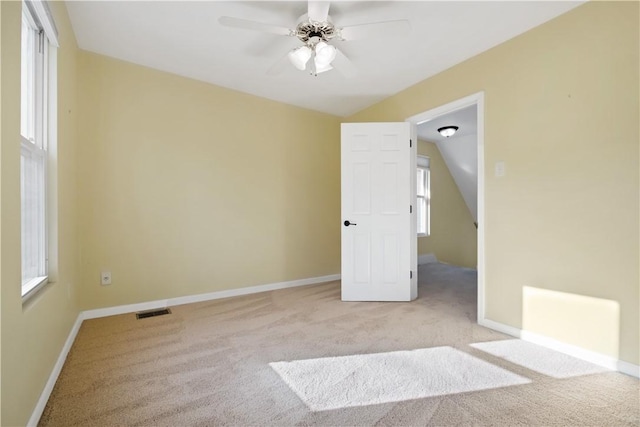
152	313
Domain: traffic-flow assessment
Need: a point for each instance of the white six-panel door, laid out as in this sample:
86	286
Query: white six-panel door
378	219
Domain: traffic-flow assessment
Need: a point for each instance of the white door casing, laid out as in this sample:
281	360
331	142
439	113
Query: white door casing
474	99
379	257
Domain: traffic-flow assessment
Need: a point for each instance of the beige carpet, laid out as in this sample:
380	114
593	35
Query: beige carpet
208	364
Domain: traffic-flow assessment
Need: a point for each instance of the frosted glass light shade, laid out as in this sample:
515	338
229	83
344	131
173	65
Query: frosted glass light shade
321	68
325	53
448	131
299	57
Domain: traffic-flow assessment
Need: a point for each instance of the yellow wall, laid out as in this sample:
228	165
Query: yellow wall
561	110
453	236
189	188
184	187
33	334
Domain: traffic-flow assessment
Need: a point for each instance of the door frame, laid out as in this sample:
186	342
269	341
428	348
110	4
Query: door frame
478	100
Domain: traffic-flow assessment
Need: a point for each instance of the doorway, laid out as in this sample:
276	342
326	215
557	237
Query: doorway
477	101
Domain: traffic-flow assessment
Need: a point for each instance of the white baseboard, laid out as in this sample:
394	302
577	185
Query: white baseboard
571	350
426	259
628	368
123	309
150	305
252	290
580	353
57	368
131	308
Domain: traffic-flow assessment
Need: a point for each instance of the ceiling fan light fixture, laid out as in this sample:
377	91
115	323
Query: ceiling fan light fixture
325	53
447	131
299	57
321	68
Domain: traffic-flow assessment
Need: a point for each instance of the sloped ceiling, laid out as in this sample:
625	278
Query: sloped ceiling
185	38
460	151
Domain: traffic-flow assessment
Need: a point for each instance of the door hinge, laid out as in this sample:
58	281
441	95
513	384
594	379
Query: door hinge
41	41
410	208
410	143
411	274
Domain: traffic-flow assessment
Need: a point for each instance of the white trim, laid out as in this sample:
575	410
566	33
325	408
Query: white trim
43	13
253	289
130	308
500	327
123	309
45	138
475	99
150	305
51	191
32	287
55	372
619	365
628	368
423	163
572	350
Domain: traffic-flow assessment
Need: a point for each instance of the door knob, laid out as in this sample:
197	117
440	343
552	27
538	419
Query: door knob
347	223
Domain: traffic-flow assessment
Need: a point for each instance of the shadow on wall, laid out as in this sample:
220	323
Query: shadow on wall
587	322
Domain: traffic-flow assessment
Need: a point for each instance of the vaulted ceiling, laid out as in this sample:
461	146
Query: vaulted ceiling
186	38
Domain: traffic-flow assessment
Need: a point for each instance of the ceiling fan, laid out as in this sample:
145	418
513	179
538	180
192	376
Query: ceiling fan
316	31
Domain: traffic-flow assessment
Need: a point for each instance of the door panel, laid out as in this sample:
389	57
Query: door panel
361	188
362	258
378	188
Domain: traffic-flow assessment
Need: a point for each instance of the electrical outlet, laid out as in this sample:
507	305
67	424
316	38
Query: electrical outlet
105	278
501	169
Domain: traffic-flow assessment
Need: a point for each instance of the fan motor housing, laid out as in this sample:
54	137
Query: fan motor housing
309	30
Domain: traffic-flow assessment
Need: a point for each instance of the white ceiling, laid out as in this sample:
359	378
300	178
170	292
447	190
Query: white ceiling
185	38
459	152
465	119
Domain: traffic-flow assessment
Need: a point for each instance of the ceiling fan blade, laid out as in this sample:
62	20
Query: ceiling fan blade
344	65
229	21
279	66
376	29
318	10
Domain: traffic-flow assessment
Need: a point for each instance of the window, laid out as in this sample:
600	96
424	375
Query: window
424	196
36	86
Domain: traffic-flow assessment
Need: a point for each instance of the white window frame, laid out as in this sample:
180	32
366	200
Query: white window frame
423	201
38	132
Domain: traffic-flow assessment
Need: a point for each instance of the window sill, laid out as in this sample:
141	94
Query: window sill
423	235
30	288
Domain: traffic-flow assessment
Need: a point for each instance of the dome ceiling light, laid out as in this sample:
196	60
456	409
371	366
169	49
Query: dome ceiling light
448	131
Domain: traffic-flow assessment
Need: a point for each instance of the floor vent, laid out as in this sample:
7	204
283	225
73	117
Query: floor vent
152	313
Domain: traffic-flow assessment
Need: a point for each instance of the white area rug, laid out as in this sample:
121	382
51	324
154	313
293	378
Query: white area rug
539	359
369	379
